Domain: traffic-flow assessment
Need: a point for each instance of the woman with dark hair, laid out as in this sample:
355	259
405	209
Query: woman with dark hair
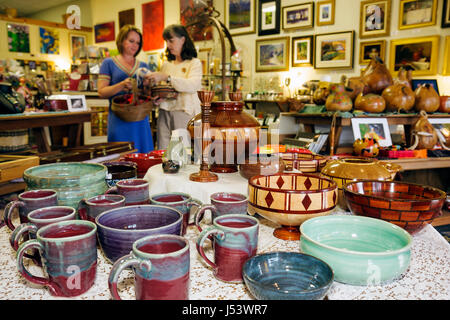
115	79
183	71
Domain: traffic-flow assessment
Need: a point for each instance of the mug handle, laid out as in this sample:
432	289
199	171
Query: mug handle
112	190
82	209
126	261
30	244
19	233
9	209
201	212
190	204
201	239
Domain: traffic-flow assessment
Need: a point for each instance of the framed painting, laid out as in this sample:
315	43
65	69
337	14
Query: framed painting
152	25
189	13
325	11
154	61
126	17
104	32
446	65
272	54
446	14
442	126
77	44
420	54
417	13
375	18
302	51
269	17
240	16
334	50
415	83
370	49
376	128
299	16
49	40
18	38
77	103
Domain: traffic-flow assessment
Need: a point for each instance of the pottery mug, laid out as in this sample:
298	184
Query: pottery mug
37	219
69	254
177	200
27	202
222	203
235	239
89	209
135	191
161	264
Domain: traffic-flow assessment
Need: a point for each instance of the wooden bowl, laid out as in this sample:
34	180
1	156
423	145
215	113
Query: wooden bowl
291	198
164	92
305	162
407	205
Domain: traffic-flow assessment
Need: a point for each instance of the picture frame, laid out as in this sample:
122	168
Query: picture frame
417	13
415	83
18	38
325	11
240	16
104	32
96	131
298	16
445	23
49	40
420	53
269	16
334	50
377	128
152	25
446	64
154	60
76	103
126	17
77	45
375	18
302	51
442	125
369	48
272	54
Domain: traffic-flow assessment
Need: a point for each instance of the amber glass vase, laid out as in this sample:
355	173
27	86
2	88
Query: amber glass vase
234	135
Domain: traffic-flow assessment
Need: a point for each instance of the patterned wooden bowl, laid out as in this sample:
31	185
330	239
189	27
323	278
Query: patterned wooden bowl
291	198
305	162
408	205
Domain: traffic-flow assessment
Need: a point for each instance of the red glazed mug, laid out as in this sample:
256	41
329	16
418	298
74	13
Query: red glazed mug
161	264
135	191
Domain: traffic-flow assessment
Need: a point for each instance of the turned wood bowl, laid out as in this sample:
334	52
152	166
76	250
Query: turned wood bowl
289	199
407	205
164	92
305	162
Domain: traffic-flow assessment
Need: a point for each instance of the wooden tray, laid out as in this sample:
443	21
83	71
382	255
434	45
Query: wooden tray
12	167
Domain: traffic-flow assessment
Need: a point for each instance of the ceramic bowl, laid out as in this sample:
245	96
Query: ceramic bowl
408	205
289	199
287	276
144	161
72	181
118	228
120	170
305	162
360	250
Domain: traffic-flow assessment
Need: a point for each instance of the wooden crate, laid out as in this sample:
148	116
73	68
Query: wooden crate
12	167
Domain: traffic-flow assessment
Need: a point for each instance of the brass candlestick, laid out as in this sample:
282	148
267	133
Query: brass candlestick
204	175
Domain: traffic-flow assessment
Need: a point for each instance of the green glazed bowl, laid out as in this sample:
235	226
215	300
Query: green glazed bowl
360	250
72	181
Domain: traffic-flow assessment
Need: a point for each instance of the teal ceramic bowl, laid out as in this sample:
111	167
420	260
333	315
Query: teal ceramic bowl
72	181
360	250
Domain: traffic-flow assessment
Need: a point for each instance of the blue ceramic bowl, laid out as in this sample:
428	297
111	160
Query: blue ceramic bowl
119	228
287	276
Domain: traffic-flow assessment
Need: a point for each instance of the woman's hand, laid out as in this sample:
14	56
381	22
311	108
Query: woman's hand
156	77
126	84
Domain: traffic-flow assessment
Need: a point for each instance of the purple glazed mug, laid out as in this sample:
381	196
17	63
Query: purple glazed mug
222	203
161	265
29	201
135	191
177	200
69	255
235	240
89	209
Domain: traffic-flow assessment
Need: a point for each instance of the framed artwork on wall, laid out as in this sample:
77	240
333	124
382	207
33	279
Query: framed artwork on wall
417	13
369	49
269	17
272	54
189	13
104	32
376	128
240	16
446	65
18	38
334	50
49	40
325	12
298	16
77	45
415	83
375	18
446	14
126	17
154	60
421	54
302	51
152	25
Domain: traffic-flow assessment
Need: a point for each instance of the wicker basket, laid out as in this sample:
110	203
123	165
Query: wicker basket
137	110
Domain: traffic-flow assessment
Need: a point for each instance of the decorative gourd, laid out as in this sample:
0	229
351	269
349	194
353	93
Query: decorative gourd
425	136
354	86
398	97
445	104
404	77
321	93
338	99
427	99
376	76
370	102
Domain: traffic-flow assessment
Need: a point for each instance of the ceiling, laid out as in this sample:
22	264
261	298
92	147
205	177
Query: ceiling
28	7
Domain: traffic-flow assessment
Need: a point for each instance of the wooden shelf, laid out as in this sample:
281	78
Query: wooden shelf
422	163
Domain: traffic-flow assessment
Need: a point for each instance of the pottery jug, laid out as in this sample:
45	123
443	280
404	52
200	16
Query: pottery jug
427	99
376	76
338	100
370	102
398	97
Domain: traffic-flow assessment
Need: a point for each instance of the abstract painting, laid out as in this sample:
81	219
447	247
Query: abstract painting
49	41
104	32
18	38
153	25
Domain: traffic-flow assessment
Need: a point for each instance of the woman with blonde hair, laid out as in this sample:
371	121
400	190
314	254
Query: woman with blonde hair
115	79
